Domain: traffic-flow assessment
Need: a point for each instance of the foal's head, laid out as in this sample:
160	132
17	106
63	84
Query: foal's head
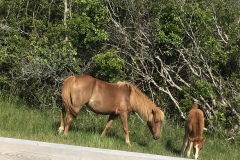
154	124
197	145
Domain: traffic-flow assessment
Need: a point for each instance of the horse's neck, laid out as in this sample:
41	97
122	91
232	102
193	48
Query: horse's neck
140	103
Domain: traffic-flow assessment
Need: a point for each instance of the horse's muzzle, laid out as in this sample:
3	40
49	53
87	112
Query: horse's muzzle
155	137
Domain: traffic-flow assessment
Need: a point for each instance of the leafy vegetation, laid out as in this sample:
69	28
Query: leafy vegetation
109	66
175	51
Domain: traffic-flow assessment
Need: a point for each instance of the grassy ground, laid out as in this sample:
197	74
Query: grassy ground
19	121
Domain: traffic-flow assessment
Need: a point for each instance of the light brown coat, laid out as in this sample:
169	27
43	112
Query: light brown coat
113	99
193	131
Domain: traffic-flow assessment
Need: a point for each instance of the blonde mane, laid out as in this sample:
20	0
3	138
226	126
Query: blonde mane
139	102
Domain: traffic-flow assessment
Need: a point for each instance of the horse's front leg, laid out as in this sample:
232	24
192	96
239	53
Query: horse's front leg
109	123
125	127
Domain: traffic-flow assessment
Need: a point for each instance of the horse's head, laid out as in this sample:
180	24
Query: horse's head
197	145
154	124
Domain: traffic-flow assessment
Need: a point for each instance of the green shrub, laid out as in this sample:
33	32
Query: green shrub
109	66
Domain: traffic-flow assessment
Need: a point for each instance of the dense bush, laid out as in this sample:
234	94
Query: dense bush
108	66
174	51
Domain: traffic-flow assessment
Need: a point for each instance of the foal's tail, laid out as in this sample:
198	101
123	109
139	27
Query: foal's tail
66	95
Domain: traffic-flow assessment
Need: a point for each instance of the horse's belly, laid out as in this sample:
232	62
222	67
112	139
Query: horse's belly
100	108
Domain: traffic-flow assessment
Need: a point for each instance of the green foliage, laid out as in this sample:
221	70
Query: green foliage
86	24
11	54
35	56
168	31
55	56
109	66
44	73
204	89
183	24
186	103
200	89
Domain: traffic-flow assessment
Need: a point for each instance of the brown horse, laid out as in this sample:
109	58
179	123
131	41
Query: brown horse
113	99
193	131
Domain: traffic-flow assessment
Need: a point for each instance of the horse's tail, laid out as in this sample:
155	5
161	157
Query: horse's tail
195	106
66	95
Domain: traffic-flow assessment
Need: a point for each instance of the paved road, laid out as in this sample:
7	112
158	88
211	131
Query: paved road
17	149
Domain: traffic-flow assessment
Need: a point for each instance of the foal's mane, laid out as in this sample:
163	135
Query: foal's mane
139	101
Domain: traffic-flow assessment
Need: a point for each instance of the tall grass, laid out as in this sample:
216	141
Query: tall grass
17	120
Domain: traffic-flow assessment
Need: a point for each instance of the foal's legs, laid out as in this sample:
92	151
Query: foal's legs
62	116
109	123
184	145
189	151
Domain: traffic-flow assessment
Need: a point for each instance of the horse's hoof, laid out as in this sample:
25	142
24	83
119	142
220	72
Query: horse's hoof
129	144
60	130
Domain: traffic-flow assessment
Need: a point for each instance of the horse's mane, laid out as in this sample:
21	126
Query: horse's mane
139	101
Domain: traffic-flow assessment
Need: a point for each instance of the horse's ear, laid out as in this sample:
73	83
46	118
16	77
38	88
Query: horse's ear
154	111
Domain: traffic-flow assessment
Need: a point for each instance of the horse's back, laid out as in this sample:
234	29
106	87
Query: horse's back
109	97
82	78
195	122
102	97
195	114
79	83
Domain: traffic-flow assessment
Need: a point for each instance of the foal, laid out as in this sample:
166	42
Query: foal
193	132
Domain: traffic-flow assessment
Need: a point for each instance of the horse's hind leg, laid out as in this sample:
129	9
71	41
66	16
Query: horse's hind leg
109	123
62	116
68	122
